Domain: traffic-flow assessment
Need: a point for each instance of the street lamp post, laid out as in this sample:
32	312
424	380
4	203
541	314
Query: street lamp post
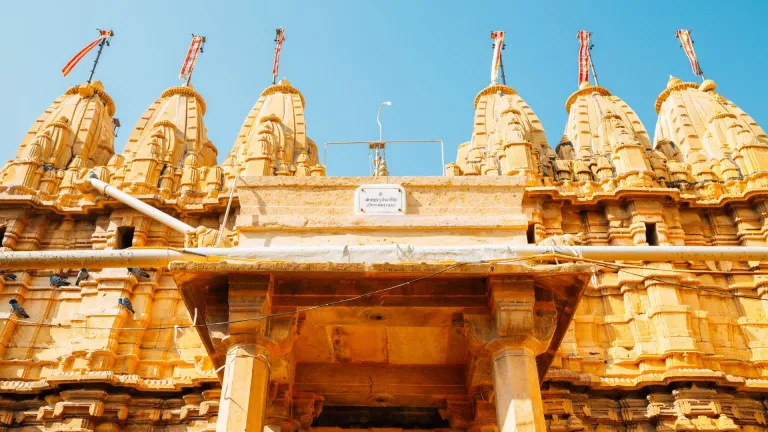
377	160
379	114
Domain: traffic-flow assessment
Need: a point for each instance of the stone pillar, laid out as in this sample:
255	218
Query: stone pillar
243	405
518	396
521	327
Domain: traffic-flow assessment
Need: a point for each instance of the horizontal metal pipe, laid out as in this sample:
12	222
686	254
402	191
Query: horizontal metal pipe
408	253
139	205
664	253
369	254
143	258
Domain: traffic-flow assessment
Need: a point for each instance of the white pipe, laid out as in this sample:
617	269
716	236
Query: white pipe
369	254
138	205
143	258
434	254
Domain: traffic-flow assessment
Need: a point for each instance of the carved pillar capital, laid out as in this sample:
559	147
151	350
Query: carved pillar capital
250	301
521	317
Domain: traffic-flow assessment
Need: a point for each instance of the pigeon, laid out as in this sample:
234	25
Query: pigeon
58	281
124	302
83	275
8	275
139	273
16	309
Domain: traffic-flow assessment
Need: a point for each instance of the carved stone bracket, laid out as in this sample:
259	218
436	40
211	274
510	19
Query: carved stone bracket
518	318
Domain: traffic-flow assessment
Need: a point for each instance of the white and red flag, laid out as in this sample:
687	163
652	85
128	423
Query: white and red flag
279	39
583	37
687	44
195	47
498	45
105	34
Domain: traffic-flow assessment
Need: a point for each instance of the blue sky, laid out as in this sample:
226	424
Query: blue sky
429	58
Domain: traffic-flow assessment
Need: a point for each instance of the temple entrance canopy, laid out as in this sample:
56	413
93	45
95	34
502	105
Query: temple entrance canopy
374	342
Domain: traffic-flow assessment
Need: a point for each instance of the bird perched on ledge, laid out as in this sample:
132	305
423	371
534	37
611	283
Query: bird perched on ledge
83	275
58	281
8	275
126	303
17	310
139	273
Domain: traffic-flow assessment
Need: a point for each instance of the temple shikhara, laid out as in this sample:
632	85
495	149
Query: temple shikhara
169	288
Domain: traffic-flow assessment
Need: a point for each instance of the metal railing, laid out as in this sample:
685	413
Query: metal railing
442	147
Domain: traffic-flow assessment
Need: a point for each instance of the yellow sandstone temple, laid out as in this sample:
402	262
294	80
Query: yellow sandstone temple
347	319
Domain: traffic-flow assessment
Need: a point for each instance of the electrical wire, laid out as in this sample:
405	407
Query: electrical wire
606	264
287	313
730	272
619	267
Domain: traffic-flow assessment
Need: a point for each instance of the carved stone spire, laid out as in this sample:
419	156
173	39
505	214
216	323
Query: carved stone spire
273	139
607	135
507	138
713	135
171	129
76	127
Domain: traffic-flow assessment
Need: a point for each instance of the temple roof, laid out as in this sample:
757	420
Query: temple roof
282	101
593	113
180	109
701	123
85	112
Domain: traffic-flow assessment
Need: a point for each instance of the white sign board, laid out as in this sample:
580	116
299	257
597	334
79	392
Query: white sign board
380	199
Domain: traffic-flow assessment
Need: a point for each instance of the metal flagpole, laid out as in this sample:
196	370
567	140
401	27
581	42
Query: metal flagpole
701	72
501	65
200	49
591	64
103	42
279	39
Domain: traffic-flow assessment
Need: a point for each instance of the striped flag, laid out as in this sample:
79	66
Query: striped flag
687	44
189	61
80	54
279	39
498	44
583	37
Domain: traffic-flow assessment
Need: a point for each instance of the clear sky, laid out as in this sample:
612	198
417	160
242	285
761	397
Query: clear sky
430	58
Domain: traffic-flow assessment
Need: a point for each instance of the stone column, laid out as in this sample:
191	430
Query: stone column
243	405
253	347
518	396
521	327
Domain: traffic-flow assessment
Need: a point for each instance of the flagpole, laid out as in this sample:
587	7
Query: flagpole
98	54
501	65
199	49
189	75
279	34
498	46
592	65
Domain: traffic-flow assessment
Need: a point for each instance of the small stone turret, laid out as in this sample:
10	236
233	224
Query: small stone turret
73	134
507	138
273	138
168	149
713	140
609	142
